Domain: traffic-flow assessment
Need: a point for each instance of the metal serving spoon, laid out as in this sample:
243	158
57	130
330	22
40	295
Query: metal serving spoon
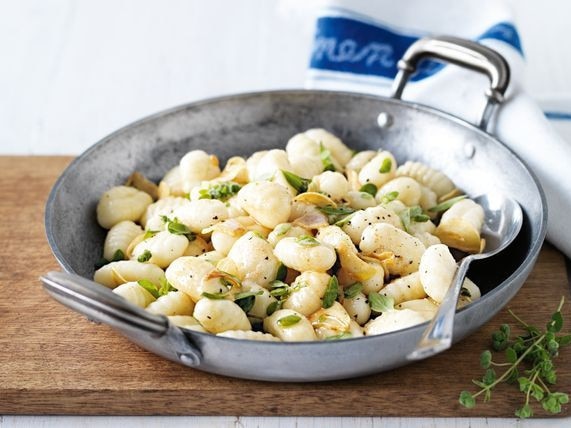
503	220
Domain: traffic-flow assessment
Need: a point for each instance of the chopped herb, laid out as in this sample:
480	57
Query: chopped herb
446	204
221	191
289	320
386	166
345	220
369	188
215	296
389	197
117	256
353	290
145	257
247	299
177	228
282	272
166	287
272	307
150	287
307	241
344	335
298	183
326	158
282	229
380	303
149	234
412	214
331	292
334	215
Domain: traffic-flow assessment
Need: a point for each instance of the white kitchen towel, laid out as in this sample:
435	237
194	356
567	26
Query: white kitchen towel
357	46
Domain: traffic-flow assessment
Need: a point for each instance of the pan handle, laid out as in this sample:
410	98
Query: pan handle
98	303
464	53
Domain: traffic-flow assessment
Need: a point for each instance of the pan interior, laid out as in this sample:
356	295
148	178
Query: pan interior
240	125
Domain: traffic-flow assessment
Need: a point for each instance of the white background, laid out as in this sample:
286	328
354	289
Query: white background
73	71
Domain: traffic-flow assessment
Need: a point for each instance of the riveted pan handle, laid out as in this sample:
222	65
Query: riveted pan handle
152	332
464	53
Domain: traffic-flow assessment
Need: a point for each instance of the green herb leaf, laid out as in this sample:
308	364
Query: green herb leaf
386	166
369	188
149	234
381	303
289	320
177	228
246	302
165	287
529	363
467	400
118	255
412	214
352	291
340	336
272	307
282	272
336	214
221	191
525	412
331	292
485	359
446	204
345	220
300	184
145	257
150	287
326	160
556	323
511	355
389	197
307	241
215	296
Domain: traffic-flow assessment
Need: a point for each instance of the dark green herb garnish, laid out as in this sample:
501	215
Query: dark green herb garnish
528	362
221	191
353	290
369	188
298	183
446	204
215	296
331	292
177	228
145	257
336	214
117	256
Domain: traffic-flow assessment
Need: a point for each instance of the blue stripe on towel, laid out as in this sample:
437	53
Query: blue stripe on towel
557	115
351	45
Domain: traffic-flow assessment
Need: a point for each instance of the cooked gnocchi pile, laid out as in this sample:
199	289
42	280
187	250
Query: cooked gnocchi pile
314	242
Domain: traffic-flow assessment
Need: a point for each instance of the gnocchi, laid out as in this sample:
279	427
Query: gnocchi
305	243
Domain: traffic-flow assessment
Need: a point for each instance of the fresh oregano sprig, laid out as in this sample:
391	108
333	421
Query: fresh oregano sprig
528	363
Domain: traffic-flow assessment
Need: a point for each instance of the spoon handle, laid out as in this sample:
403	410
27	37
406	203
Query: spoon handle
438	335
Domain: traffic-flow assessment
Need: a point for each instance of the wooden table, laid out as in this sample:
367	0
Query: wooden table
53	361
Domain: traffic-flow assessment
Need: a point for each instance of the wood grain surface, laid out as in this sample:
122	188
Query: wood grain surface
54	361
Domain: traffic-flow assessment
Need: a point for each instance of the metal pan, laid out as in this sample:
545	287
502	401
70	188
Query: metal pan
242	124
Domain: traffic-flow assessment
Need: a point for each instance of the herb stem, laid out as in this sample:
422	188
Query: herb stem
518	319
543	385
514	365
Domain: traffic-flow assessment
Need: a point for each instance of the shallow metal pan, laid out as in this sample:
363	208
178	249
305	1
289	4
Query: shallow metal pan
241	124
